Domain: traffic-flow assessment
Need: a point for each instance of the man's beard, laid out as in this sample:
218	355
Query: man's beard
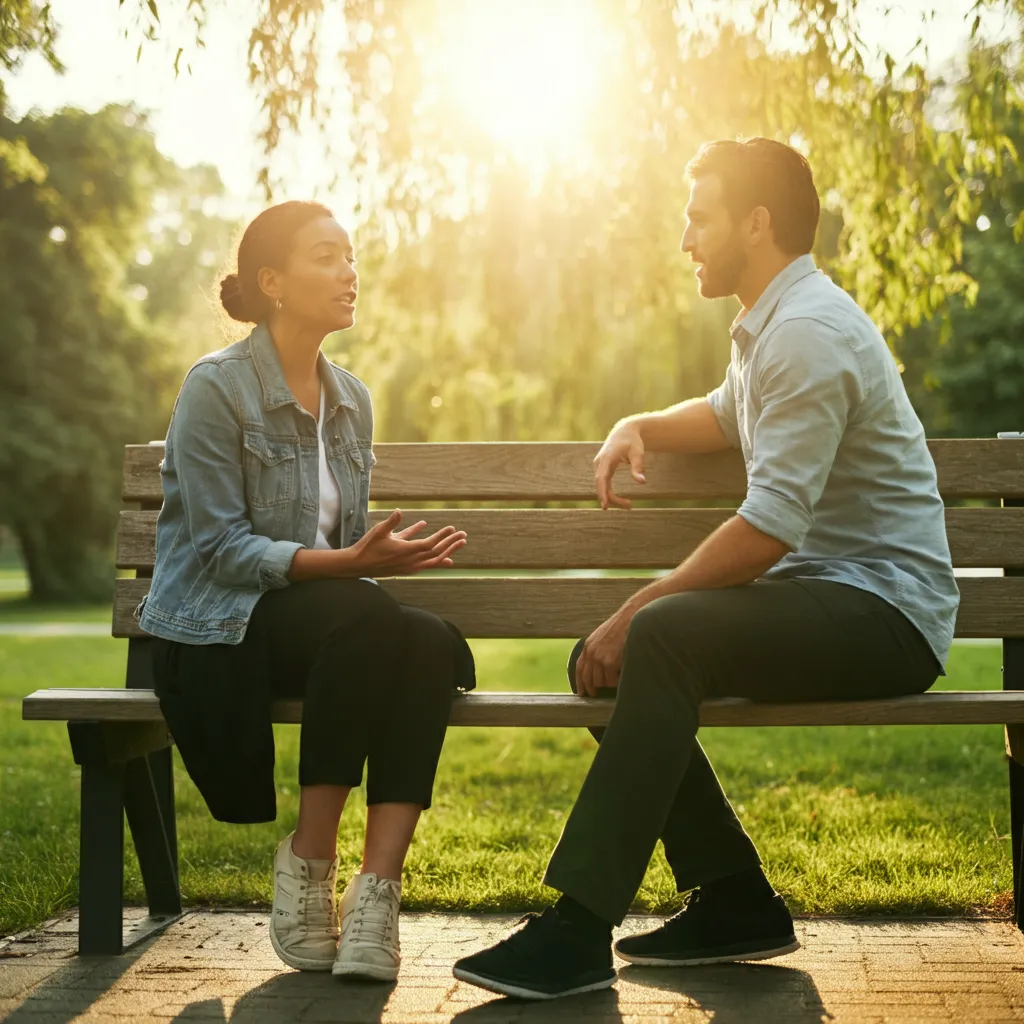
723	272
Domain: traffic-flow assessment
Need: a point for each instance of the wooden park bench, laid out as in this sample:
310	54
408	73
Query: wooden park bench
119	738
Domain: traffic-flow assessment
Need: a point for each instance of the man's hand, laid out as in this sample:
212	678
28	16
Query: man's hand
624	444
600	661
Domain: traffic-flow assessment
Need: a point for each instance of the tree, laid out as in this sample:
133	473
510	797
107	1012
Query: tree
875	132
25	27
82	372
965	374
465	339
188	243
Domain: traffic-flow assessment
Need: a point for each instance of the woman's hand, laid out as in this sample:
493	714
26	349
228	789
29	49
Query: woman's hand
381	552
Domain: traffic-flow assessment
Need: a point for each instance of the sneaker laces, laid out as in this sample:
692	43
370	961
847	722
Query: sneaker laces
374	914
318	905
539	925
691	906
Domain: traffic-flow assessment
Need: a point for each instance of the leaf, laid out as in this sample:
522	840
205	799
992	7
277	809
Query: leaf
153	9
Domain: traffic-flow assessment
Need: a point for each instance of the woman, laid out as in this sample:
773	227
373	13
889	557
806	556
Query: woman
261	591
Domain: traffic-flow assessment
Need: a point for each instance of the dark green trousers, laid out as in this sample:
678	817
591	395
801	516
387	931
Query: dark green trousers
771	640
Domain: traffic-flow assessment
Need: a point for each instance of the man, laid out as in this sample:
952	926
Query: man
832	581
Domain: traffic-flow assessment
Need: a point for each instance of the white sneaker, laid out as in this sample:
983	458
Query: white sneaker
304	918
369	946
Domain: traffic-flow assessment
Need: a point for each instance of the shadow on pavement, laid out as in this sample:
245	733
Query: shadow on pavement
726	993
601	1007
738	993
293	993
65	991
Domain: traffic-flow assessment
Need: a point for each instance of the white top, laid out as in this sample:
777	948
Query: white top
330	493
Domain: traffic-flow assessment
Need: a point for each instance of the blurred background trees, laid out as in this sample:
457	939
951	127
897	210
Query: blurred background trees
90	357
518	168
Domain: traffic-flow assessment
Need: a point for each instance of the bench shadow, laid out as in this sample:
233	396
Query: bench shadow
72	988
737	993
286	996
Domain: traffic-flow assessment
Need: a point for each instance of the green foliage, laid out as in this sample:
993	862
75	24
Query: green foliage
965	373
83	373
189	241
503	301
500	298
26	26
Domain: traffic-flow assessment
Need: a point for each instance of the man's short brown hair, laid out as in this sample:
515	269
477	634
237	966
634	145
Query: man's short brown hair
762	172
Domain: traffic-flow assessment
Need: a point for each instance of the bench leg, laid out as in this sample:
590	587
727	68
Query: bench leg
1013	679
126	766
149	805
101	863
1016	829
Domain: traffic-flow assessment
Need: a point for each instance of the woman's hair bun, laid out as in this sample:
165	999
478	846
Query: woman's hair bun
266	242
235	302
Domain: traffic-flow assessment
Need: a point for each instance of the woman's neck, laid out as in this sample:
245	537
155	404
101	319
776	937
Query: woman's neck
298	348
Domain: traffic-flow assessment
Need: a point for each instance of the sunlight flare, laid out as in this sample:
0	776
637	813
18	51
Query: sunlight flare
528	74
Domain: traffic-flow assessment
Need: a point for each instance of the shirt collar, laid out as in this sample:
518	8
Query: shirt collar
746	328
275	388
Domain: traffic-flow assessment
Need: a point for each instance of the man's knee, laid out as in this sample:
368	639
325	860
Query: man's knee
655	621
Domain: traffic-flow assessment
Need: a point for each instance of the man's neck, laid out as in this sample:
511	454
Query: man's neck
758	277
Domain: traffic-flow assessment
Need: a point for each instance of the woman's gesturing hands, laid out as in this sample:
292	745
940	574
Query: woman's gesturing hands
624	444
381	552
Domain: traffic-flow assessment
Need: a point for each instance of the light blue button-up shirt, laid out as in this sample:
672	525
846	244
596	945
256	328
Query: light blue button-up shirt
837	464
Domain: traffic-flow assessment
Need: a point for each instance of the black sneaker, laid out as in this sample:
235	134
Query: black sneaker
547	958
707	932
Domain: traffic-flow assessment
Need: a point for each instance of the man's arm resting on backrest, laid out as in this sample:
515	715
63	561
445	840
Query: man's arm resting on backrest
694	427
690	427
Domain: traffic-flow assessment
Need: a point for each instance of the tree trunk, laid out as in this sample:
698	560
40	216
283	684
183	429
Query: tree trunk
63	566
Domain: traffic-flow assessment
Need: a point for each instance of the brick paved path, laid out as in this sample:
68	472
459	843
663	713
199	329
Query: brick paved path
220	967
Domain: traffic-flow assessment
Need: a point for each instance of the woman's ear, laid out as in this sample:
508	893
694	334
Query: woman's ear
270	283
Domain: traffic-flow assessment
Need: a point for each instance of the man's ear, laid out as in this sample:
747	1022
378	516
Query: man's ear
759	225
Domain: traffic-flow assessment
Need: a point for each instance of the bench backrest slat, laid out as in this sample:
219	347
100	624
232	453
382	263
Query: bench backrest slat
571	607
639	539
561	471
504	541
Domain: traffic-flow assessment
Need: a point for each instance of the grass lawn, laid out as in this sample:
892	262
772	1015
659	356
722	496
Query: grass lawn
15	607
849	820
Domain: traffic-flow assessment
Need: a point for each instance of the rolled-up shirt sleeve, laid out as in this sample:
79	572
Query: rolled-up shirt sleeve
809	383
723	404
205	440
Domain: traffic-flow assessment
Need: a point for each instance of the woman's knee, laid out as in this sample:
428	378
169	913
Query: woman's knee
428	639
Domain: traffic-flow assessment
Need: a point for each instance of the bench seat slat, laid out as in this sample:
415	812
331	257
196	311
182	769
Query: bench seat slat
548	471
939	707
591	539
567	607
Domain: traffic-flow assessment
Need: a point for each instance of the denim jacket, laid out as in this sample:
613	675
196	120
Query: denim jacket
241	487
